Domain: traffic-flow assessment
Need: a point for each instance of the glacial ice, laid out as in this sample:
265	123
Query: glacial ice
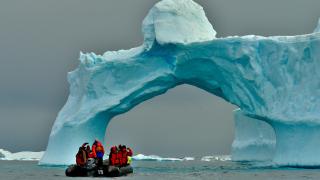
254	139
171	21
20	156
273	79
318	27
216	158
141	157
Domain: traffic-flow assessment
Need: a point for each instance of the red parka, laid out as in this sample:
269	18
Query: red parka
97	147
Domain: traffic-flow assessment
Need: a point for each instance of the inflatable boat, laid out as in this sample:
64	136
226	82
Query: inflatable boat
98	171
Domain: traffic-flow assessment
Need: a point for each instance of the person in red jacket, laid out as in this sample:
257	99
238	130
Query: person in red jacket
89	152
81	157
113	160
129	152
124	156
98	151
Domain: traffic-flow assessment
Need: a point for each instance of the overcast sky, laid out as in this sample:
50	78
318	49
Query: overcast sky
40	41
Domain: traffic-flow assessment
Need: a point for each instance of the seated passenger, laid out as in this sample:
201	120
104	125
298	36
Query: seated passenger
130	154
124	156
119	156
113	160
81	157
98	151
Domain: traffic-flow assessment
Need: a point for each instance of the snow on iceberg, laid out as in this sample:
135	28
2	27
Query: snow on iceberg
171	21
318	27
254	139
216	158
273	79
20	156
141	157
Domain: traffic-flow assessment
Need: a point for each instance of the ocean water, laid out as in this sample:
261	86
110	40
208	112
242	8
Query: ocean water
175	170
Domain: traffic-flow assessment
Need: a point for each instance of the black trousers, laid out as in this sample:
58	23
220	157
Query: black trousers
99	161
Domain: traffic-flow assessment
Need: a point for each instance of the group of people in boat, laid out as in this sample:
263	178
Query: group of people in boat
119	156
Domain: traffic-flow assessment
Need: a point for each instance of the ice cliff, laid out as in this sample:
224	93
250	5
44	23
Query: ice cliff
273	79
254	139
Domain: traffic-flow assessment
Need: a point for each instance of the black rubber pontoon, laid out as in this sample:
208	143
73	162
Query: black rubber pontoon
103	171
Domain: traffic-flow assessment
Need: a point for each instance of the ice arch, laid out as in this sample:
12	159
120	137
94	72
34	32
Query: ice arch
175	113
274	79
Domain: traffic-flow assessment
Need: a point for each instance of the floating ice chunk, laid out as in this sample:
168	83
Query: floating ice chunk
141	157
188	159
216	158
20	156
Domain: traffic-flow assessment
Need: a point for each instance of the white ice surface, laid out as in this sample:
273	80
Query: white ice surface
318	27
177	21
20	156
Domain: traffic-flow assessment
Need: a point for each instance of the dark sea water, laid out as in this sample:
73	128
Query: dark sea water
216	170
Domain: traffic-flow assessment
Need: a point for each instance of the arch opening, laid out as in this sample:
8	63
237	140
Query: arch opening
186	121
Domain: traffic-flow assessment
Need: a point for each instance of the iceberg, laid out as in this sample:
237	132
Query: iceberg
20	156
317	28
271	79
254	140
216	158
141	157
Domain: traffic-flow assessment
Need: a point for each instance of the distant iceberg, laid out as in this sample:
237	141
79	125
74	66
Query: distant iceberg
20	156
141	157
216	158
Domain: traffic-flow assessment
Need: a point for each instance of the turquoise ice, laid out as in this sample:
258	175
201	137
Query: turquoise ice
254	139
273	79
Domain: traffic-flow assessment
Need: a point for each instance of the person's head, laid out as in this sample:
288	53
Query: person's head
114	149
87	148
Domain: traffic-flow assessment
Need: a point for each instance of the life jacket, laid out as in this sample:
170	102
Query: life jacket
113	157
119	158
124	159
97	150
91	155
